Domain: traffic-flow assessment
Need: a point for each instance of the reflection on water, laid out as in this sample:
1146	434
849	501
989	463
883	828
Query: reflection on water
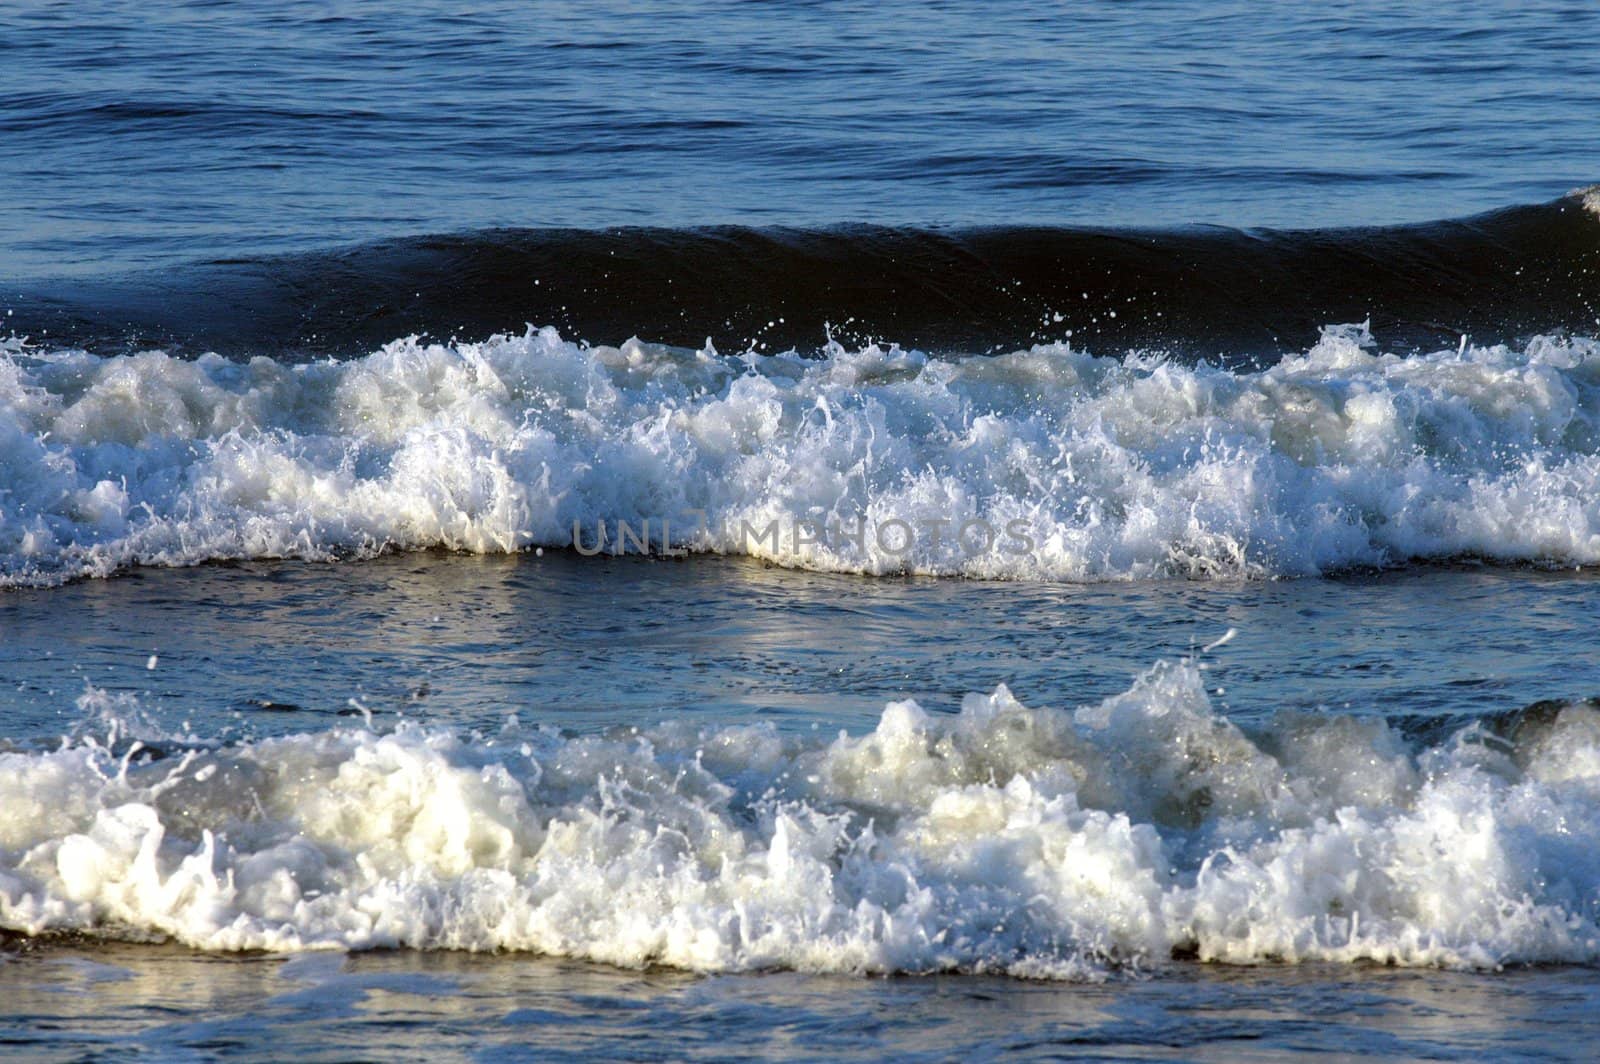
73	999
589	643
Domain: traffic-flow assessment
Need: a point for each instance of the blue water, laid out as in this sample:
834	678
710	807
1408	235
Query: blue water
213	572
138	135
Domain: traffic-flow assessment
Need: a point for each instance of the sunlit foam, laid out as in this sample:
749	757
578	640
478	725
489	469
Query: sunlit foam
1032	841
1082	468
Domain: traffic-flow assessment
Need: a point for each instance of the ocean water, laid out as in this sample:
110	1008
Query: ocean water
801	529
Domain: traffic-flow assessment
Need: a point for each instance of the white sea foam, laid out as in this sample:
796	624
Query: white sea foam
1114	468
1589	197
1030	841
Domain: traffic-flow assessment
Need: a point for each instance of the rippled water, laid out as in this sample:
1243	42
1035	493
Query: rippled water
275	649
486	1007
141	136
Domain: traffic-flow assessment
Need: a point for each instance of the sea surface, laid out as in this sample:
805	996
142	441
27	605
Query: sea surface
822	530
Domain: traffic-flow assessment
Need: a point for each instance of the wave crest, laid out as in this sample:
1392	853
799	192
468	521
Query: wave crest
1008	839
1241	296
1044	464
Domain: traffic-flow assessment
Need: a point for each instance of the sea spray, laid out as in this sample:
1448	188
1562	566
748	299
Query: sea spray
1010	839
1057	464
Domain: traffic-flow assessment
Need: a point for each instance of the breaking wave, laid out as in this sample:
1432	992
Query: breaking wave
1041	464
1034	842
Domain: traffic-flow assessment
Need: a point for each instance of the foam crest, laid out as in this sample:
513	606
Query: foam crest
1029	841
1045	464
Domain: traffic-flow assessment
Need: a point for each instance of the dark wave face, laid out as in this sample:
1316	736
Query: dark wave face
1241	296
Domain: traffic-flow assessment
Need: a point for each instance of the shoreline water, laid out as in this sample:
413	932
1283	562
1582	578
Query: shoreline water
118	999
1407	664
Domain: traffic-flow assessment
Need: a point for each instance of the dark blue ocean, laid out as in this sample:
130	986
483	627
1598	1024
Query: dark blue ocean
154	137
799	529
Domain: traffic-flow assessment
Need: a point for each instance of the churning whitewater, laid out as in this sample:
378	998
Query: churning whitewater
1006	839
1043	464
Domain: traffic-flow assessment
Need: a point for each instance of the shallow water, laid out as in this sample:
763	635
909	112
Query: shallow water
269	648
454	643
69	1001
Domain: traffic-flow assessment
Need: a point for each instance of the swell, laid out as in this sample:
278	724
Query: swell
1241	296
